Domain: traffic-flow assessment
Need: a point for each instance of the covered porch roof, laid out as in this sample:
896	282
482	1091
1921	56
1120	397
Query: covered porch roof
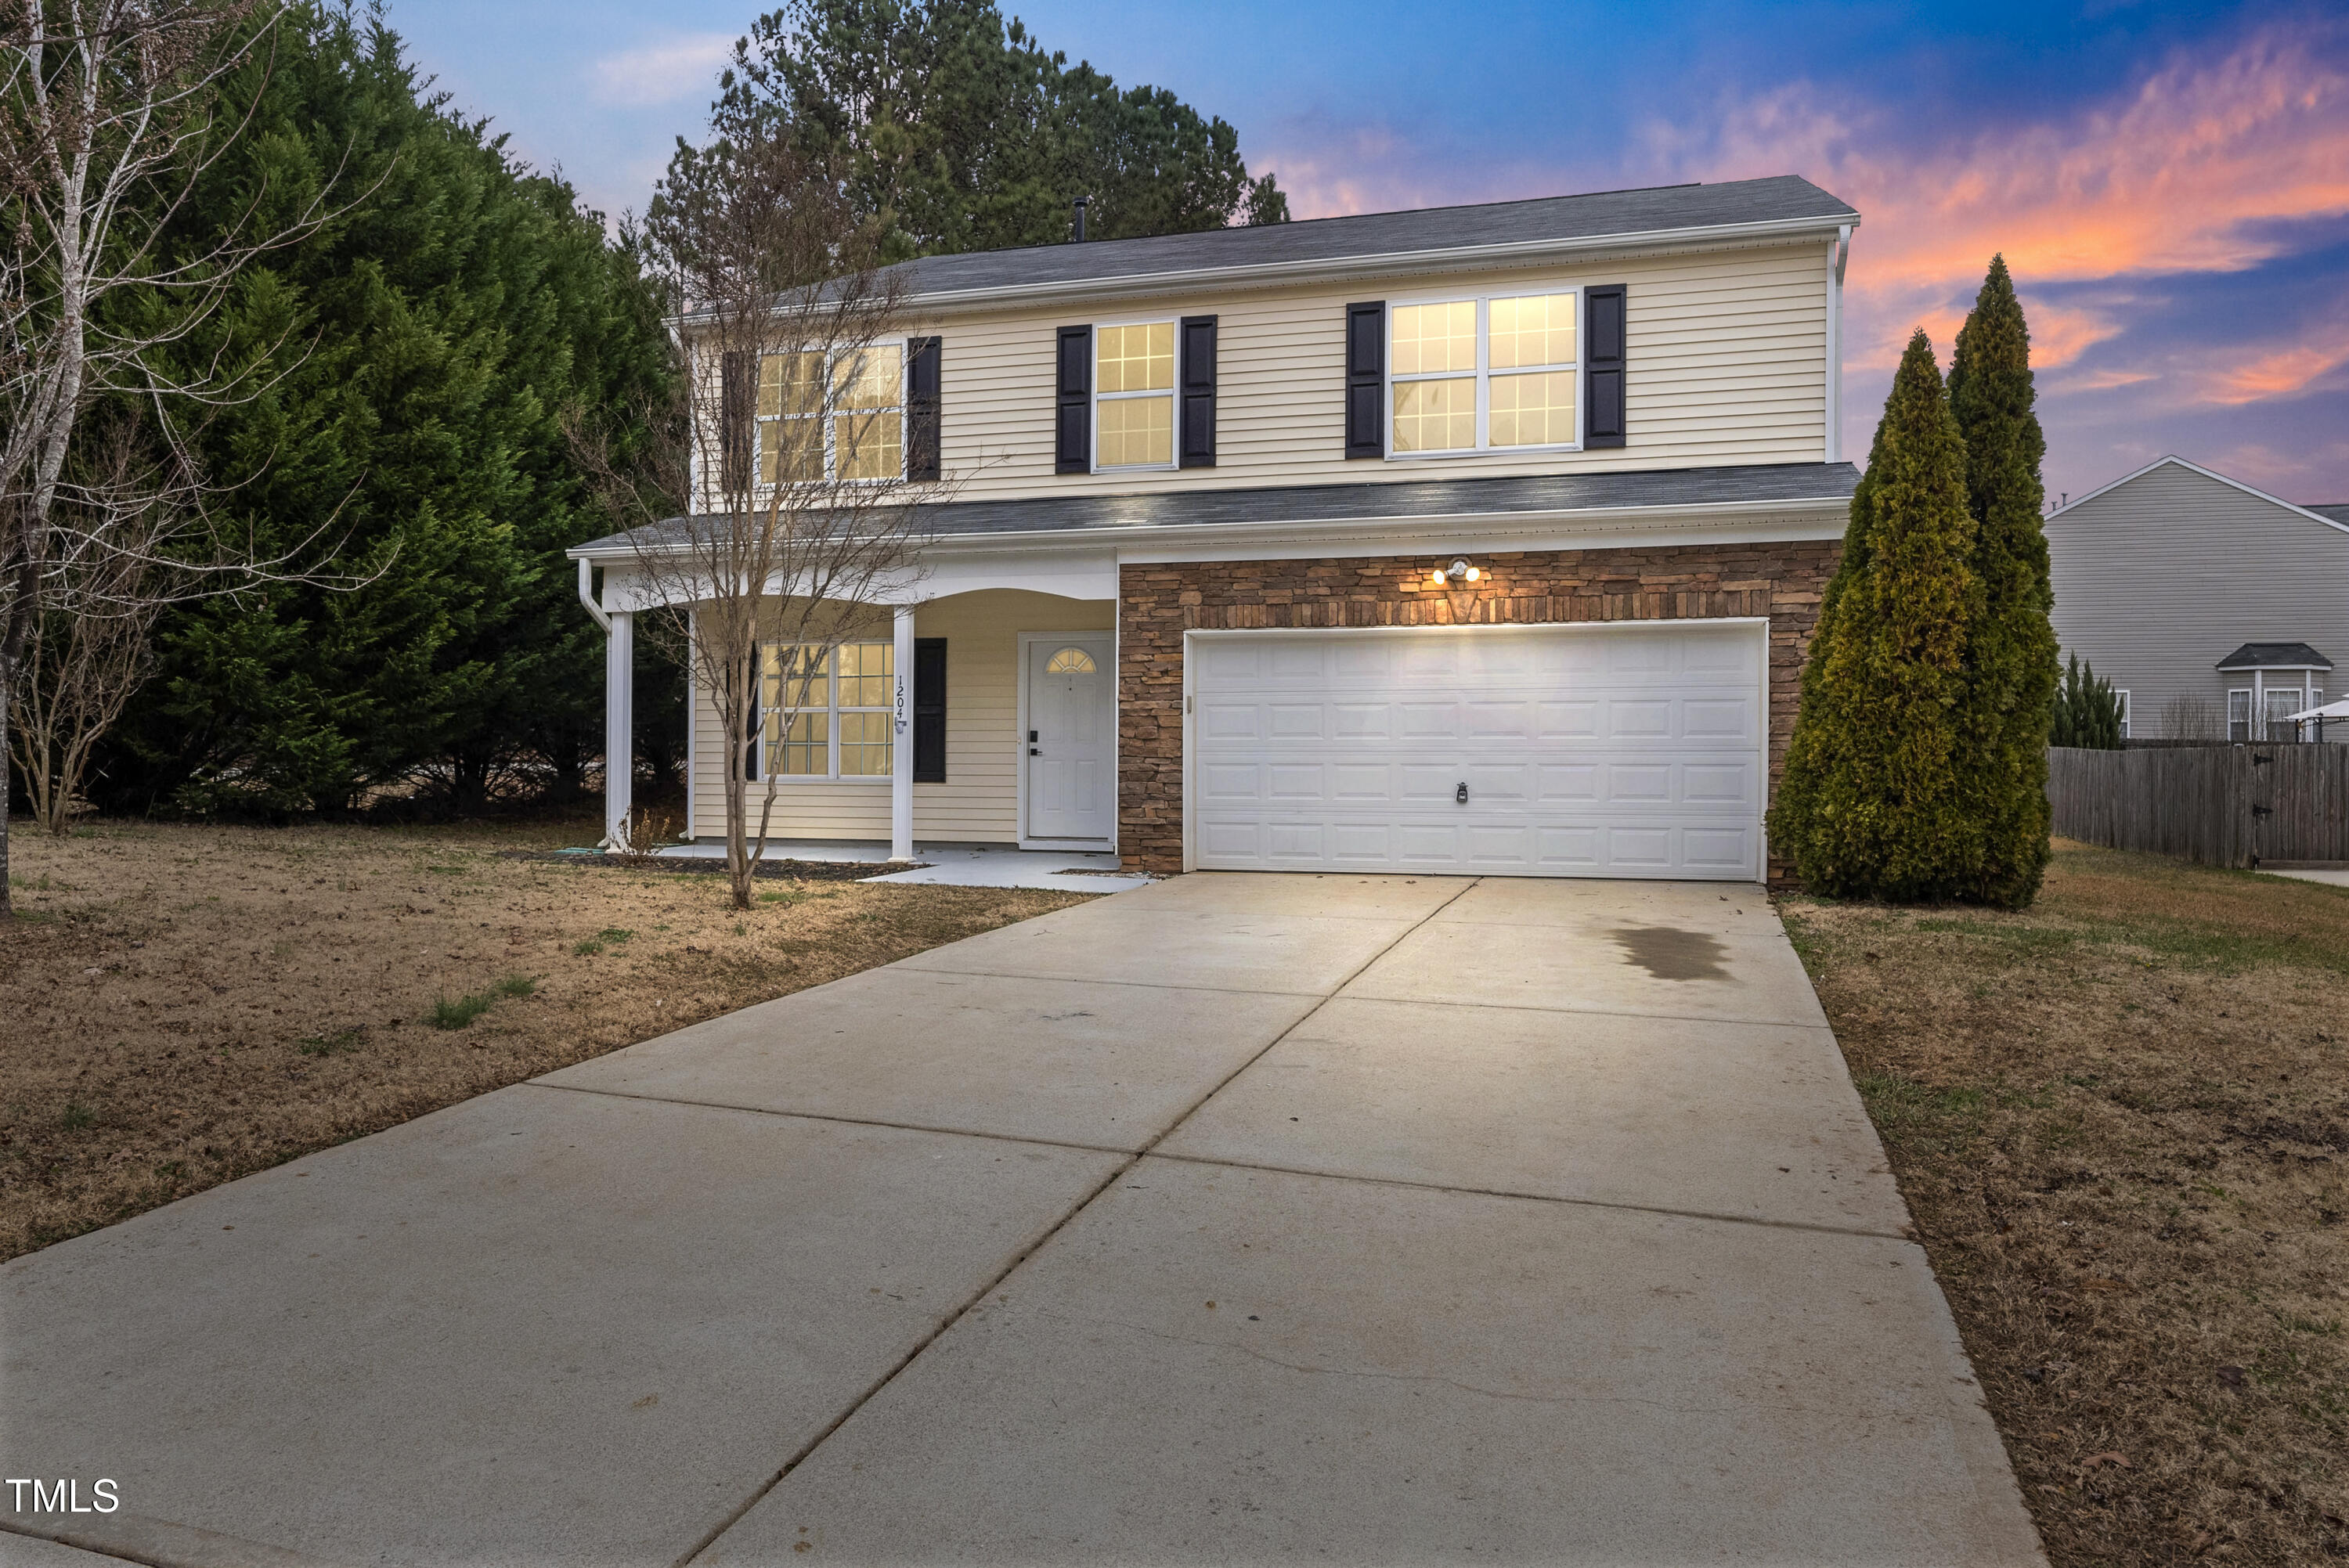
1499	500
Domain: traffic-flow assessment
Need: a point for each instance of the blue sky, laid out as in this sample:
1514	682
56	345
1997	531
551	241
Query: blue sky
2170	184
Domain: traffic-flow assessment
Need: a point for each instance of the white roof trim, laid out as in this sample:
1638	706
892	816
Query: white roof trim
2207	474
1450	257
1336	269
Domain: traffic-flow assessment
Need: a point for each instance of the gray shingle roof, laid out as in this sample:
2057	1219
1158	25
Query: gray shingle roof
2338	511
1335	240
1789	483
2275	656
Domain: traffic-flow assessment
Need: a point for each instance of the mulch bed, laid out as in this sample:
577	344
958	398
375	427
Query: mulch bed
793	871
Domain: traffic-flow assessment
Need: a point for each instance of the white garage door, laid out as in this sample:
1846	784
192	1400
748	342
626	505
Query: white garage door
1615	751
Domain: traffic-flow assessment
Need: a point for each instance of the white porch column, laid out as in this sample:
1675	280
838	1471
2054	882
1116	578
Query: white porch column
901	749
619	724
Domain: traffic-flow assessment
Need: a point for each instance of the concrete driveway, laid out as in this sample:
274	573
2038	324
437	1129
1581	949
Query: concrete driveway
1241	1218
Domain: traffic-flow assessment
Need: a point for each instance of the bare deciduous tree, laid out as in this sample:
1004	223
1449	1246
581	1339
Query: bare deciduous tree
795	521
2189	717
111	111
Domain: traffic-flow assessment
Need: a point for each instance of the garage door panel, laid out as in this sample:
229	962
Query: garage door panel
1418	784
1426	721
1632	718
1588	751
1290	783
1568	784
1638	784
1226	781
1230	721
1725	721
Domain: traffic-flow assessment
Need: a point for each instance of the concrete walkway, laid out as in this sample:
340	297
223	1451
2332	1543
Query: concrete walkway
1243	1220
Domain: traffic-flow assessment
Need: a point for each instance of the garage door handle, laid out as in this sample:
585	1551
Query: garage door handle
1462	795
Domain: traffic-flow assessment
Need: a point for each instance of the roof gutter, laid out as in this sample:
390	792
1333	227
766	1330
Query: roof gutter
1120	535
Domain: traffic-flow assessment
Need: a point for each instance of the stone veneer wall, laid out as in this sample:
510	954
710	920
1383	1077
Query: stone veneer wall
1157	603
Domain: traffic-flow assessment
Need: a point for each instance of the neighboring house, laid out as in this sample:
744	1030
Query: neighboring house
2213	608
1206	622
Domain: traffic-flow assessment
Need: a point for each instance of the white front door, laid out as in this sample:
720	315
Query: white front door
1620	750
1072	738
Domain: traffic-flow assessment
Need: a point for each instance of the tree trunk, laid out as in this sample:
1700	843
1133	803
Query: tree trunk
8	686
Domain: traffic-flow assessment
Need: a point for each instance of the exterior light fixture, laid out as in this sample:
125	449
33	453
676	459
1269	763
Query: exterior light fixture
1458	571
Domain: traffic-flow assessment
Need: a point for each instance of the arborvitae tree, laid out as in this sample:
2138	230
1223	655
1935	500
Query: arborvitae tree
2088	710
2010	652
1871	803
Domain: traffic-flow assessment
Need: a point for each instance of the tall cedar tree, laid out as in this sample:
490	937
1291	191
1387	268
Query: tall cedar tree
1871	803
961	133
410	364
2010	652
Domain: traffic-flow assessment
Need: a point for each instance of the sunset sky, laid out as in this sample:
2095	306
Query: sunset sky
2170	184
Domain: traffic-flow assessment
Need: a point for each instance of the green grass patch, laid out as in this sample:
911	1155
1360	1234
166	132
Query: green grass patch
1907	1110
77	1117
459	1013
342	1042
614	933
586	948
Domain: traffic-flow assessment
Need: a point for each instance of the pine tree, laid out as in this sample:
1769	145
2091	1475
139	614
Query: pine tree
2010	652
1871	803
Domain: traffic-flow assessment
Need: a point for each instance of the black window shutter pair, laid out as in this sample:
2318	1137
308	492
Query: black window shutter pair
924	405
929	710
1072	439
1366	342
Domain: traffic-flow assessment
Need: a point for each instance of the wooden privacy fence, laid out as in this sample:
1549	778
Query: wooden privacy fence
2224	805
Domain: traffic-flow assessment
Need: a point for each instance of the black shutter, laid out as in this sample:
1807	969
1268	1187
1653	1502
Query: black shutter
929	710
1198	423
923	357
1366	367
737	397
1603	344
1073	445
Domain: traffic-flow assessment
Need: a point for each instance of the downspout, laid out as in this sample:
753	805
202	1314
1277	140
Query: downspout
587	595
1842	255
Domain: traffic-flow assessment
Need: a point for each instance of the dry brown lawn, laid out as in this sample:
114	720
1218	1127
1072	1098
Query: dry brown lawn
2121	1119
183	1005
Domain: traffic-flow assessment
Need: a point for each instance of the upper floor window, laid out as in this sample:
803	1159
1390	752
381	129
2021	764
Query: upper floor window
1134	395
1480	374
858	432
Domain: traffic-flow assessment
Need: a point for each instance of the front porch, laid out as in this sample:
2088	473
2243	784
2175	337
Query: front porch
948	865
975	722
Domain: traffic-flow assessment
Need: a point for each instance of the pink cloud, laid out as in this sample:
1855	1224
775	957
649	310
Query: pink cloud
2278	373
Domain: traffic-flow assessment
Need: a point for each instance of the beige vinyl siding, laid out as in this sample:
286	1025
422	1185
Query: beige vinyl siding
2158	579
979	802
1727	356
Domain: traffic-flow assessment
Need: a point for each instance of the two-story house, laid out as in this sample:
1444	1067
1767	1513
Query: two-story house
2215	609
1480	539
